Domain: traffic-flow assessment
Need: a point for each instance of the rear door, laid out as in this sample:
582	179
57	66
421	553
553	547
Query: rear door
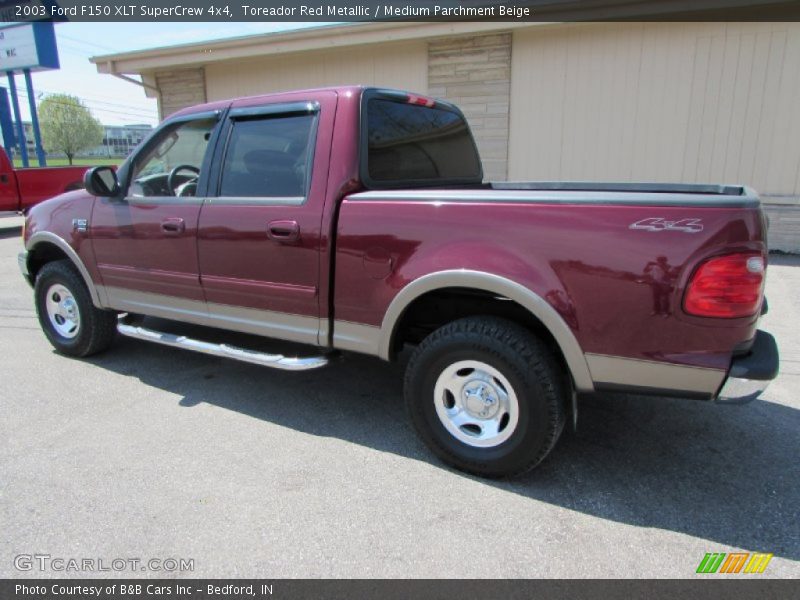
259	239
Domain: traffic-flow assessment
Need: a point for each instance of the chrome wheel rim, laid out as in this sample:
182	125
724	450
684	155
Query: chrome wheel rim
476	404
62	310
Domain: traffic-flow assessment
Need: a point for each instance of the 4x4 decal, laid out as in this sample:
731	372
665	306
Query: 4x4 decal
661	224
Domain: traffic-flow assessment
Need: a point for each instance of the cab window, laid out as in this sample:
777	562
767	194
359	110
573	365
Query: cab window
411	144
268	157
171	166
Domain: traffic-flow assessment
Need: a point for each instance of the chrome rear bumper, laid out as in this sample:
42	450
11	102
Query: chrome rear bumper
750	375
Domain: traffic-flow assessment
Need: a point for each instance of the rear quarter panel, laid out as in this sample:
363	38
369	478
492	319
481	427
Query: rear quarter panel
619	290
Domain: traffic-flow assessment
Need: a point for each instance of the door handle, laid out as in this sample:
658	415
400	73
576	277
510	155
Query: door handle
173	226
284	232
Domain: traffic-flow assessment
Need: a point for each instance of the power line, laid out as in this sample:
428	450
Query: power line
94	99
128	108
133	112
79	41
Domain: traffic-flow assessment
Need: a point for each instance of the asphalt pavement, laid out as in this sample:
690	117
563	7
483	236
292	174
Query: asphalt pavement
148	452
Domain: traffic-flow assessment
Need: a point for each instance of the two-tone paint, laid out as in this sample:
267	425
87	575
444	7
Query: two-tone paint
608	291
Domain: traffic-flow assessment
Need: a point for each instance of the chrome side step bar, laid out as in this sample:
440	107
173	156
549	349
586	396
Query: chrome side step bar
276	361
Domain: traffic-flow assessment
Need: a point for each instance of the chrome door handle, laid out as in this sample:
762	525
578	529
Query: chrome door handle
173	226
284	232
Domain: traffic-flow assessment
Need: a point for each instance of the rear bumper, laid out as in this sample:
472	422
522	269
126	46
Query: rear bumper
750	374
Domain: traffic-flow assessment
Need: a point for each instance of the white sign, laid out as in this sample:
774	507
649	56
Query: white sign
18	48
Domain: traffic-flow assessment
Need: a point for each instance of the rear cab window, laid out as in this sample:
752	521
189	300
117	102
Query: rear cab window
407	140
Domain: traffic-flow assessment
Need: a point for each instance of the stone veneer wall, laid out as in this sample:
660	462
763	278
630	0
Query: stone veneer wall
475	74
180	88
784	224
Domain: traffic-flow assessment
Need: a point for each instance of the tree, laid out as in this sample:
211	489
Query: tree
67	125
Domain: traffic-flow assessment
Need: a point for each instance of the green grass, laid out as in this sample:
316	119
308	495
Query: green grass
63	162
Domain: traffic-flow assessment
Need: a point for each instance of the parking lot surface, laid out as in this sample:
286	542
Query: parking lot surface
152	452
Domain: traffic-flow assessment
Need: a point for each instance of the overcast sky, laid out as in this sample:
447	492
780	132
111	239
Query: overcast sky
111	99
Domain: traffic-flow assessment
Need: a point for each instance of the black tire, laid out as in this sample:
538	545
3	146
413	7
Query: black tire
96	328
528	366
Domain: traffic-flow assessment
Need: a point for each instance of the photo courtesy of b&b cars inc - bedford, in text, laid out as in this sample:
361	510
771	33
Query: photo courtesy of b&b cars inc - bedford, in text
420	299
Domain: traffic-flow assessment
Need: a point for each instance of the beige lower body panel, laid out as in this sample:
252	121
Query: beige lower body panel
284	326
356	337
366	339
631	372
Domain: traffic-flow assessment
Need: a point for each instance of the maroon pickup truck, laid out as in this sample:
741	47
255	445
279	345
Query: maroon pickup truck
357	219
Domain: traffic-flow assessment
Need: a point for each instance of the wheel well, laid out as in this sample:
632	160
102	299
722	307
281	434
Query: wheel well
41	254
439	307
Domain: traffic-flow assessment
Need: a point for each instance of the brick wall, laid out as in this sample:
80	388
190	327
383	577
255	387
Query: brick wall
180	88
475	74
784	225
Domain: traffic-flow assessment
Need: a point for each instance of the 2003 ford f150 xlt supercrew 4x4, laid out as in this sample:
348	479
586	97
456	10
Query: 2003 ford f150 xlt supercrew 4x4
357	219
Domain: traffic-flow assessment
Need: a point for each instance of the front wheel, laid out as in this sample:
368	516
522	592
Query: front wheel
487	396
72	324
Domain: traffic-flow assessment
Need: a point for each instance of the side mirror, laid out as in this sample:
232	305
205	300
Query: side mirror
101	181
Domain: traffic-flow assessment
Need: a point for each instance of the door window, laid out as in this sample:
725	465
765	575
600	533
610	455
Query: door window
171	166
269	157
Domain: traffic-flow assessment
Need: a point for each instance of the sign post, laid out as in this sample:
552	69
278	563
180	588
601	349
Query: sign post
37	134
24	48
23	144
6	124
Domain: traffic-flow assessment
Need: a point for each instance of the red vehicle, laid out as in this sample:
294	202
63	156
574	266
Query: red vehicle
355	219
22	188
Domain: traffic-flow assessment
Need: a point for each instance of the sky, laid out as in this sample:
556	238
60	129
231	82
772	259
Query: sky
112	100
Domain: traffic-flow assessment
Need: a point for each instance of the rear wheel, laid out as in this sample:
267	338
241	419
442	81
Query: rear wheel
487	396
72	324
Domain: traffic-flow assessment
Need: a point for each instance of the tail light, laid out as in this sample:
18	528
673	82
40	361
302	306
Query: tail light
420	100
726	286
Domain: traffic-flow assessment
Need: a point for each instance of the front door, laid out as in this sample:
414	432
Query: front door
145	240
259	238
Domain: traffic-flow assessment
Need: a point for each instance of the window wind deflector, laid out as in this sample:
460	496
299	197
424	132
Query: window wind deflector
283	109
198	116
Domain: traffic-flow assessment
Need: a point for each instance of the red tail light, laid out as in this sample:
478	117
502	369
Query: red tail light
726	286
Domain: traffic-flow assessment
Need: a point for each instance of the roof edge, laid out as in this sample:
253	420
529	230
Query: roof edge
285	42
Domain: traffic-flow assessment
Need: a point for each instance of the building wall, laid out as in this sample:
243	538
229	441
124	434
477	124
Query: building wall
474	72
402	65
180	88
688	102
684	102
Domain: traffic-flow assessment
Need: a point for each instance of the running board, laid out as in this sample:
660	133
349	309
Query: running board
275	361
